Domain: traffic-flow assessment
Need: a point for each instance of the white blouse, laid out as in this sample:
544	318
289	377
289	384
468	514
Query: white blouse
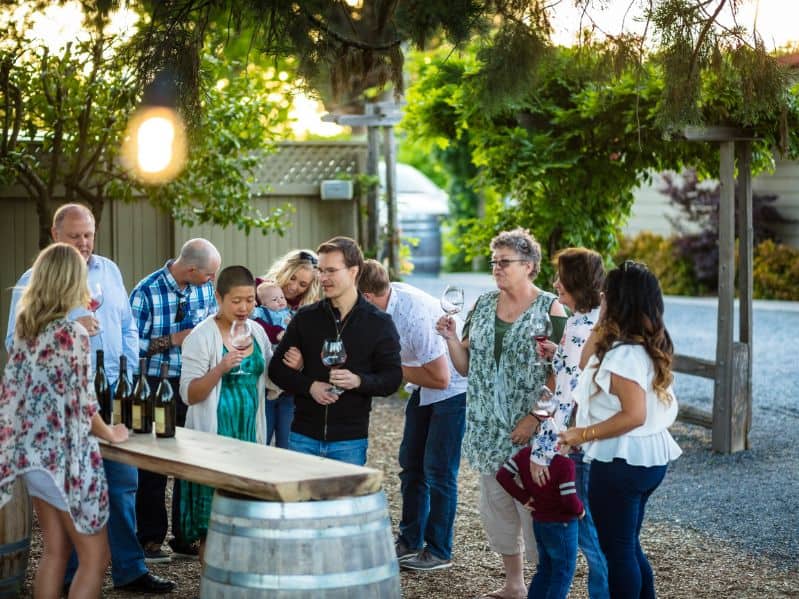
650	444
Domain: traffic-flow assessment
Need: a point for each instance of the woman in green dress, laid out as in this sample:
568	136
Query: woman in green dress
498	354
223	386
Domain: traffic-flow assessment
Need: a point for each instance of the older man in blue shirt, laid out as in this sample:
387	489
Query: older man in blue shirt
113	330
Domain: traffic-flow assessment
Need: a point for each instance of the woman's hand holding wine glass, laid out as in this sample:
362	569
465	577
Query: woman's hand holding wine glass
540	329
241	339
451	304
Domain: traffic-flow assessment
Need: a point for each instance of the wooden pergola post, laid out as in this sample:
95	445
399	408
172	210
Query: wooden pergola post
732	371
379	115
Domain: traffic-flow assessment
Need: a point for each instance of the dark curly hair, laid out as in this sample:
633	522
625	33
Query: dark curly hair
634	315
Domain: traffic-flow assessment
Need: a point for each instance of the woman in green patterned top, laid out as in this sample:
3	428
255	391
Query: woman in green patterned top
497	353
225	387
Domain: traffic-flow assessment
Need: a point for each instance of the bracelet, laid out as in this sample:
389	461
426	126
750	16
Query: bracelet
593	434
583	435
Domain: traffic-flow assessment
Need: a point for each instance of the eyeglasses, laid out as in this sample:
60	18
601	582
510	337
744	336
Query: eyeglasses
329	272
505	262
308	257
181	311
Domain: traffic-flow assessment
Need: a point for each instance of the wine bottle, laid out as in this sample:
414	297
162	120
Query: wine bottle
164	406
142	403
123	397
102	389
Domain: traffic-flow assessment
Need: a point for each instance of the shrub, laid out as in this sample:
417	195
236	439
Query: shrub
776	271
661	255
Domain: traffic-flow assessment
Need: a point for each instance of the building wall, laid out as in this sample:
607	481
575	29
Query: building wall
651	208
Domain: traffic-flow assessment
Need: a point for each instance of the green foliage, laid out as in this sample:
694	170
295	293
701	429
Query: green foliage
662	256
775	267
63	115
776	272
246	109
567	158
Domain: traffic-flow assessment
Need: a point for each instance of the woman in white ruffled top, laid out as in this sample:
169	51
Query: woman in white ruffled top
625	406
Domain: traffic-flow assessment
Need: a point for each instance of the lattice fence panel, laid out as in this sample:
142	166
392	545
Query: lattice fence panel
298	166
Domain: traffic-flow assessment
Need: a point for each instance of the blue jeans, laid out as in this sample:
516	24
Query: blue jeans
127	556
618	494
557	559
429	458
352	451
587	539
279	414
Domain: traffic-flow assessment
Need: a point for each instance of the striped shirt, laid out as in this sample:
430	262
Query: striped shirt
555	501
157	302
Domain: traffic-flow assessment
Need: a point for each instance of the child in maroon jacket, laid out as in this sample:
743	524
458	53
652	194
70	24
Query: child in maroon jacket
555	509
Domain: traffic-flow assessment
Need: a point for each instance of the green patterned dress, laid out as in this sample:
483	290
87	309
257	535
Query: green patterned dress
236	418
502	384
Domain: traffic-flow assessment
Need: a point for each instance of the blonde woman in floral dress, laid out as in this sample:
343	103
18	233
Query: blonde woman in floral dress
497	353
48	423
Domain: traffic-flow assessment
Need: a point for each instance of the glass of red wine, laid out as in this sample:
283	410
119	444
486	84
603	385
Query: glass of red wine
95	300
334	354
540	329
240	339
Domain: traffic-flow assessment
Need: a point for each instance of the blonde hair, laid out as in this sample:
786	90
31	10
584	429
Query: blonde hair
287	266
58	284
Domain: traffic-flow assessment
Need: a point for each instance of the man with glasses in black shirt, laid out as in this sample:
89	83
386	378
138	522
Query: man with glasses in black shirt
167	305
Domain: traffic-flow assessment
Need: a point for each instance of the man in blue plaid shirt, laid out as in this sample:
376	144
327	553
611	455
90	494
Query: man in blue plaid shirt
167	305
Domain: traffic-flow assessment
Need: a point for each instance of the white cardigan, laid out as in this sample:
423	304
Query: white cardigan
201	351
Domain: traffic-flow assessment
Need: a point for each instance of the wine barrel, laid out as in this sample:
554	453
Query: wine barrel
16	522
322	549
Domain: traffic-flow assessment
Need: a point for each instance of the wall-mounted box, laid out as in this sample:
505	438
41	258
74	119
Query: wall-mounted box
336	189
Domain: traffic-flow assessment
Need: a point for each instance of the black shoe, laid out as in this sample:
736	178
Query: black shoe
148	583
403	551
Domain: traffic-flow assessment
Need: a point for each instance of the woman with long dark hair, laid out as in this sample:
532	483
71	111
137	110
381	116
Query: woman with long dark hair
625	406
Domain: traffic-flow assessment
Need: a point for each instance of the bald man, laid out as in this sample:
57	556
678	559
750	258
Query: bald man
167	305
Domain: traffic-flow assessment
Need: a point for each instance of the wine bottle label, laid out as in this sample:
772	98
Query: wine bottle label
137	417
117	415
160	420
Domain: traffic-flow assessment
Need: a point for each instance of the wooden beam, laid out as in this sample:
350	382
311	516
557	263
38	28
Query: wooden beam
720	134
722	396
372	197
364	120
247	468
740	404
693	415
745	266
694	366
390	157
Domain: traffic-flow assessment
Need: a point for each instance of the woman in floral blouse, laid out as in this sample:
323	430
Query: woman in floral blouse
497	352
48	422
581	274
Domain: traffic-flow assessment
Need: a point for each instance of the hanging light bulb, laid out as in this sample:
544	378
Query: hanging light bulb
154	147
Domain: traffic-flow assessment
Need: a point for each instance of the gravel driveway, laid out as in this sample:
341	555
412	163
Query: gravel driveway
750	498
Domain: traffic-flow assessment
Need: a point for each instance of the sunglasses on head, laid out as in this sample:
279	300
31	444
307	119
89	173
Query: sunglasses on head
308	257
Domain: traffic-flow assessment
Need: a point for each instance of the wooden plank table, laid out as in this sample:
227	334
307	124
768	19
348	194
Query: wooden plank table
246	468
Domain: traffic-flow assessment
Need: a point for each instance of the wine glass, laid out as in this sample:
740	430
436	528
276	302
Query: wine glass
334	354
95	301
95	298
452	300
541	329
240	338
545	405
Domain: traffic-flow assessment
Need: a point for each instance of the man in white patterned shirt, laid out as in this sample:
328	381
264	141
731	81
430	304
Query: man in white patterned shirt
435	416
